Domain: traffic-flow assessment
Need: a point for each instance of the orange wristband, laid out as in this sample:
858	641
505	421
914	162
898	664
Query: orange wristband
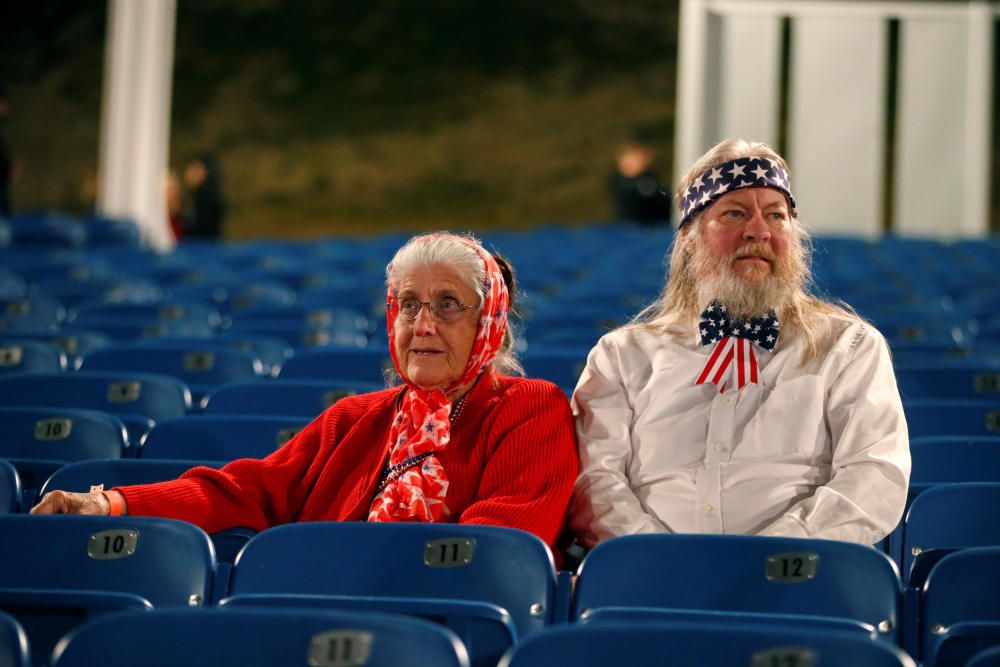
116	502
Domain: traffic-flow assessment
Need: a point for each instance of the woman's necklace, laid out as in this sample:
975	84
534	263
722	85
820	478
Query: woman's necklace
456	408
394	472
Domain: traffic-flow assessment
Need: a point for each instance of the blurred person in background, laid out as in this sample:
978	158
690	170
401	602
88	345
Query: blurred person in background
203	181
739	402
463	440
635	187
177	215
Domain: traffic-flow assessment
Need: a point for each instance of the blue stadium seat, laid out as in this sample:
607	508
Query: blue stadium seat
106	231
14	649
561	366
339	363
10	488
74	343
989	657
219	437
926	417
119	393
122	331
272	352
689	643
301	398
178	313
19	355
37	441
12	285
950	516
490	585
302	336
44	228
949	381
70	568
943	459
167	638
78	477
72	293
245	296
960	607
200	368
346	319
741	573
36	309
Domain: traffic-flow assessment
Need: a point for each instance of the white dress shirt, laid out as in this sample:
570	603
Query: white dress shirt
815	450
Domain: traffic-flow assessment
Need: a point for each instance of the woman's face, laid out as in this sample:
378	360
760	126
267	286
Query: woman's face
432	353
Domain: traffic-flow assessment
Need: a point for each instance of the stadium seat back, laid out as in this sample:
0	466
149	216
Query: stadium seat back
120	393
302	398
952	516
18	355
689	643
489	585
957	382
208	366
166	638
14	650
61	570
10	489
960	601
339	363
219	437
942	459
742	573
925	417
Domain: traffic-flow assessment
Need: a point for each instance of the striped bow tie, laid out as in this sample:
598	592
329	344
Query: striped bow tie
733	353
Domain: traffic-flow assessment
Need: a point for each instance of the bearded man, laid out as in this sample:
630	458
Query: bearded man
738	402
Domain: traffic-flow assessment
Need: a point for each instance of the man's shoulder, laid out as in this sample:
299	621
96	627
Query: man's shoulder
644	337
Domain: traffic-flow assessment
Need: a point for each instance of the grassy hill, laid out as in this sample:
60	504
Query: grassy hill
359	116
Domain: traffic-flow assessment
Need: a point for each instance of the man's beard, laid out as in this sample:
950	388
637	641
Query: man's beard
746	289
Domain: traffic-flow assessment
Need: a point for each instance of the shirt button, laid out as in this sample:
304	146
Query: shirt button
718	447
706	507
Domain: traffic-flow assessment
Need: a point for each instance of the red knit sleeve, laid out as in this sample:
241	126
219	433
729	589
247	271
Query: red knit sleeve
256	493
528	479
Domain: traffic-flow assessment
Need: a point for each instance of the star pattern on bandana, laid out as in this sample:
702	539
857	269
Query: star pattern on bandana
745	172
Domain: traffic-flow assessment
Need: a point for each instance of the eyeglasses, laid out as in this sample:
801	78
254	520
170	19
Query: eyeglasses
443	309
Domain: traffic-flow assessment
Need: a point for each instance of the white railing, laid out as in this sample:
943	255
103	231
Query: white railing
836	135
135	115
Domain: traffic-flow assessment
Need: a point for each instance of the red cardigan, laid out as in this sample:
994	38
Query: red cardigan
512	461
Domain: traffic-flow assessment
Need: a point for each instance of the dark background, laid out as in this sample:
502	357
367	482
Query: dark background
360	116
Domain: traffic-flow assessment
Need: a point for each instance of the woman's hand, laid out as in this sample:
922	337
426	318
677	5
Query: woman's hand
64	502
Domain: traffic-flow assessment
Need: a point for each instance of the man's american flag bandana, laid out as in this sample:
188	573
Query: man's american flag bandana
733	354
744	172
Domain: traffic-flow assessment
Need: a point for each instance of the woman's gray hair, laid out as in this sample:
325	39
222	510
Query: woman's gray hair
452	250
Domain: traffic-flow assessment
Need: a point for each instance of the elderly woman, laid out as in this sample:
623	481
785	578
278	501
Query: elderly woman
462	441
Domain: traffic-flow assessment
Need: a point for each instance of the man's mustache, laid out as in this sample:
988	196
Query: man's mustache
755	250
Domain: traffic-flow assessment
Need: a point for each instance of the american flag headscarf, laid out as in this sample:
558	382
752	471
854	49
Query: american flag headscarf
421	426
744	172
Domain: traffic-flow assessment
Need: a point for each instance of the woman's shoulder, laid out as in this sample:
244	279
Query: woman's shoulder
514	388
355	405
